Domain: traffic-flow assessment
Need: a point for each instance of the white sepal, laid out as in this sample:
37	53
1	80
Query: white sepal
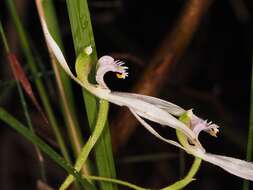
234	166
151	130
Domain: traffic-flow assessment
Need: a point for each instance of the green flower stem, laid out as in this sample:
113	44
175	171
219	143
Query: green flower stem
188	178
38	81
249	153
82	37
102	117
63	81
21	129
195	166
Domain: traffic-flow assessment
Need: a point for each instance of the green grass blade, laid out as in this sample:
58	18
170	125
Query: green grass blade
25	108
83	36
38	82
249	153
20	128
4	40
63	82
29	123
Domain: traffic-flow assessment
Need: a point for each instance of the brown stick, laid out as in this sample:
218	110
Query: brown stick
154	77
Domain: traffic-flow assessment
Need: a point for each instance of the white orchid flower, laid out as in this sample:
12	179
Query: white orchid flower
138	105
234	166
153	109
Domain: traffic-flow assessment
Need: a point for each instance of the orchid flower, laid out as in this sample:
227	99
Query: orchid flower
137	104
150	108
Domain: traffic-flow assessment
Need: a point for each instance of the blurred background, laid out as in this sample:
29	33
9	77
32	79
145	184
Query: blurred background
195	53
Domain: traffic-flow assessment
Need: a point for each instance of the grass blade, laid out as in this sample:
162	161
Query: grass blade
28	89
62	79
249	153
20	128
22	78
38	82
83	36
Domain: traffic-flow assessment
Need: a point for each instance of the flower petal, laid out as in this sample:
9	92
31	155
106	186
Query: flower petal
197	125
106	64
55	48
150	112
234	166
57	52
162	104
151	130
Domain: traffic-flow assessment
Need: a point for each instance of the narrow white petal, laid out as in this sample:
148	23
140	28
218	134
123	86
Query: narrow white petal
55	48
151	130
150	112
234	166
165	105
57	52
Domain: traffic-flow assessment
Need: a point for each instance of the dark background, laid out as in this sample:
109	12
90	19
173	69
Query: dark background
212	76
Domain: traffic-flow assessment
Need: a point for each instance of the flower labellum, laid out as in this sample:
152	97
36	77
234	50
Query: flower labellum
106	64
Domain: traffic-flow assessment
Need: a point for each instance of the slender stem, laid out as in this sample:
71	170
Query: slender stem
4	38
38	82
195	166
31	78
47	11
188	178
20	128
102	117
83	36
250	133
29	123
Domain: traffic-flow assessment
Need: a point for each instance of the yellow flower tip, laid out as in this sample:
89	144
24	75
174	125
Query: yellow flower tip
213	132
121	75
88	50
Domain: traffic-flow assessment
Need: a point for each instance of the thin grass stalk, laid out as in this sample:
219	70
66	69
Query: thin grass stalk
12	82
83	36
38	82
63	81
26	112
21	129
29	123
246	184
